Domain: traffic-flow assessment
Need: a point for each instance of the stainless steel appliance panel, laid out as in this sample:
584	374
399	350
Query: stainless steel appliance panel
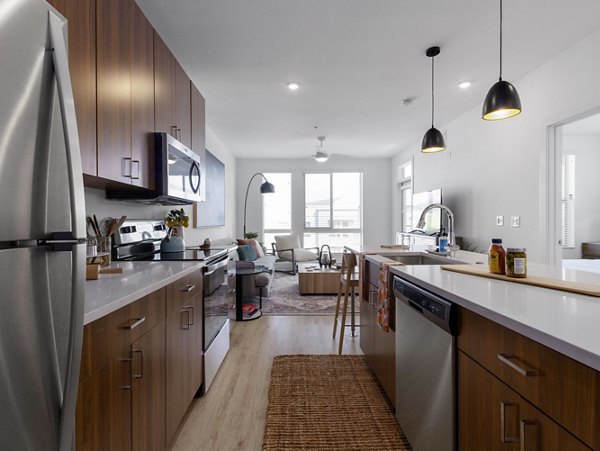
425	379
42	232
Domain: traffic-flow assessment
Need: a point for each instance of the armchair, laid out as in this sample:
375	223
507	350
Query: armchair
288	248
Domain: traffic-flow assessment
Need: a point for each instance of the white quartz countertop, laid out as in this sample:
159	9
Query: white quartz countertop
566	322
113	291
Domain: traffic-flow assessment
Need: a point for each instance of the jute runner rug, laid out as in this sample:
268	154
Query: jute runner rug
328	402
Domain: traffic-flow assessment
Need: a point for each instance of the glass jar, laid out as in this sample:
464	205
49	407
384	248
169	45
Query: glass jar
516	262
496	257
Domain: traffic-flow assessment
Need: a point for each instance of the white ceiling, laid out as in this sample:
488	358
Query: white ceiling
355	60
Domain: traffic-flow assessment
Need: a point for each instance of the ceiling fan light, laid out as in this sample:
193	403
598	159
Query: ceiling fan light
321	156
433	141
502	101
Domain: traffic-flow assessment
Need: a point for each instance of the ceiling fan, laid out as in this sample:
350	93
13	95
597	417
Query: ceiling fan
321	154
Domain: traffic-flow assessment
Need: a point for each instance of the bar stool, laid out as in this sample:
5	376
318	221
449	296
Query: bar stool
348	283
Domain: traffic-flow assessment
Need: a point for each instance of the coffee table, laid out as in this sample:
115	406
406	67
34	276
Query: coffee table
315	280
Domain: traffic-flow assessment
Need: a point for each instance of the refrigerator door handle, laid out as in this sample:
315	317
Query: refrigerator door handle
58	45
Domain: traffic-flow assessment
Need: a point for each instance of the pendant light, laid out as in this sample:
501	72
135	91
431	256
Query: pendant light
321	154
502	100
433	141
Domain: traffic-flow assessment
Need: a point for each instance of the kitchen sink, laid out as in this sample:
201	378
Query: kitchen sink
423	259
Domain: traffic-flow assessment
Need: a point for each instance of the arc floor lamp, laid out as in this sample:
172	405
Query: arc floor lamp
265	188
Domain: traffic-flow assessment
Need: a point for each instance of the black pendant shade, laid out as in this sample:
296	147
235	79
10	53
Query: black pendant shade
267	188
502	101
433	141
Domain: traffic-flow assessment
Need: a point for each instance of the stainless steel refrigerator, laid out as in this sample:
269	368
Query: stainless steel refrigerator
42	232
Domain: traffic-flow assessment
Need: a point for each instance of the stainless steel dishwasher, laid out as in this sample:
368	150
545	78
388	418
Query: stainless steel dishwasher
425	367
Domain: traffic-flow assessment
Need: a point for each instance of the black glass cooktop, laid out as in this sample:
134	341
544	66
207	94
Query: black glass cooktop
188	254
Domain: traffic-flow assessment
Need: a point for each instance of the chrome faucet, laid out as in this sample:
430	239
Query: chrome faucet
421	223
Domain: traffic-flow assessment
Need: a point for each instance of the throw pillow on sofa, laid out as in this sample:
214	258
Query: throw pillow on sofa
257	247
246	253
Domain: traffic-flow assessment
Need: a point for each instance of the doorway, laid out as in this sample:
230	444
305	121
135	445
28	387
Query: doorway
573	196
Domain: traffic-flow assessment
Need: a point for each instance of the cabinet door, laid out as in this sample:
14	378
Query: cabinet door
183	105
384	349
148	391
142	101
198	121
103	420
492	416
178	327
366	323
113	22
196	375
81	15
164	87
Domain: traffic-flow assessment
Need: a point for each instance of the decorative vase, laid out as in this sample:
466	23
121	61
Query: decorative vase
173	242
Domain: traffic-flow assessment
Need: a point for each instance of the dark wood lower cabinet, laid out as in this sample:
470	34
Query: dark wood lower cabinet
493	417
378	346
148	391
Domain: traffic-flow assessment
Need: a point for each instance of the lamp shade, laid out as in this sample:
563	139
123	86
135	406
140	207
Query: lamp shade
502	101
433	141
321	156
267	188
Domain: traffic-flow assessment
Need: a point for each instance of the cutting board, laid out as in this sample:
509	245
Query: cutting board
538	281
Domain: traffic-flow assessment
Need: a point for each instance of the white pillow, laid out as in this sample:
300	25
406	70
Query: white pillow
301	255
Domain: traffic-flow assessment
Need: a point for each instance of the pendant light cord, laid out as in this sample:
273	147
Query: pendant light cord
500	40
432	91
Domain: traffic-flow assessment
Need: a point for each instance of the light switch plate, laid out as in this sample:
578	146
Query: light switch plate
515	221
499	221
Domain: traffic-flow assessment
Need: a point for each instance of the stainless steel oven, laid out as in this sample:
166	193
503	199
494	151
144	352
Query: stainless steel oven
219	295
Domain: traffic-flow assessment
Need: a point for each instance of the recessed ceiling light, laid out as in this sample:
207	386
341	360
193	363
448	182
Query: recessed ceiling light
293	86
464	84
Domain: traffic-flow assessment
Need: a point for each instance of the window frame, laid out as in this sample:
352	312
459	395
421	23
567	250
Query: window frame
266	231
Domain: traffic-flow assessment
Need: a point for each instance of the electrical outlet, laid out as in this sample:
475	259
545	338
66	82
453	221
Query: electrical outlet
500	221
515	221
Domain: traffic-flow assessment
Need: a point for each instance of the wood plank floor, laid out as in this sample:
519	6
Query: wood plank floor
231	416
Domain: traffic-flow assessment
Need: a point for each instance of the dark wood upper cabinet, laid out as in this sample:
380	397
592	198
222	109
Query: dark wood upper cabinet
81	15
142	100
172	108
113	66
198	120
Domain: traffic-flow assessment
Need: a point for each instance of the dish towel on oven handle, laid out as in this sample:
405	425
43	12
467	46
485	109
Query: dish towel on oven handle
383	299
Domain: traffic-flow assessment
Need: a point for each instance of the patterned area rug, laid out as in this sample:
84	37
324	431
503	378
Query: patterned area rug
327	403
286	300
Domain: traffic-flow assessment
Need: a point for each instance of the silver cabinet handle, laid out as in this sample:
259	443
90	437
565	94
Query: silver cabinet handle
192	315
140	375
126	170
503	408
531	443
505	357
178	134
137	171
185	324
188	288
126	386
133	323
174	131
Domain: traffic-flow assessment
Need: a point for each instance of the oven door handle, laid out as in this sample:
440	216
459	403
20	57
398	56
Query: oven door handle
210	269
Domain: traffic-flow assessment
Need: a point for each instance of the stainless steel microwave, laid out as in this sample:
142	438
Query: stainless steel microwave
179	175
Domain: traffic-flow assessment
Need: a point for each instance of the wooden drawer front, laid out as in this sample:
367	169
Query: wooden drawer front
109	337
564	389
181	292
494	417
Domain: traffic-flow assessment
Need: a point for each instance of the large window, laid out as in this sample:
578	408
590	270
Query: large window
404	192
277	208
333	209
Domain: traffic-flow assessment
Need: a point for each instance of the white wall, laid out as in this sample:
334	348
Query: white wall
377	215
498	168
587	195
96	203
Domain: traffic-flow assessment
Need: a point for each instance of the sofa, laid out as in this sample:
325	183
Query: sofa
251	257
